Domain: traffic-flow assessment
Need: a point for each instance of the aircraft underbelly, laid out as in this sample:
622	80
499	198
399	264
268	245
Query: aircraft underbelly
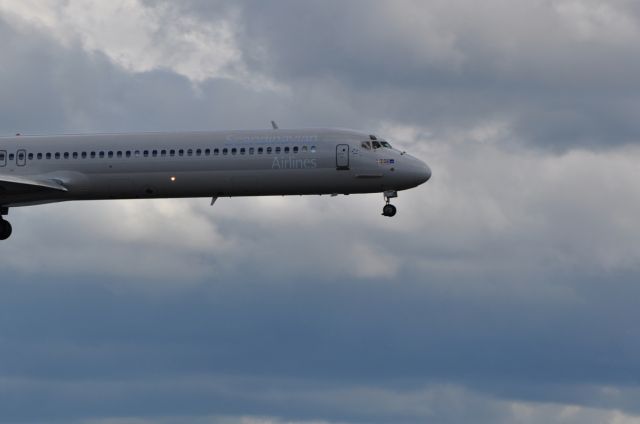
204	184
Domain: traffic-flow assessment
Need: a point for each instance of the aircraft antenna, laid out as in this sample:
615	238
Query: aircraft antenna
274	125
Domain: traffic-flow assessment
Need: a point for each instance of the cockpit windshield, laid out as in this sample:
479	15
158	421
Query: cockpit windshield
368	145
376	144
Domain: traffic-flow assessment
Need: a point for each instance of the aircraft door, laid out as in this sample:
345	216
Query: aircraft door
21	157
342	157
3	158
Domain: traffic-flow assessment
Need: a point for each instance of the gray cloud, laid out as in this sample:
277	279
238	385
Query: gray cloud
561	73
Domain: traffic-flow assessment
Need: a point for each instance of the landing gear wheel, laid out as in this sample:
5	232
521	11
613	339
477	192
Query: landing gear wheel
389	210
5	229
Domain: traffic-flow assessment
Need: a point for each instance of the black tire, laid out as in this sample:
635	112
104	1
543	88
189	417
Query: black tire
5	229
389	210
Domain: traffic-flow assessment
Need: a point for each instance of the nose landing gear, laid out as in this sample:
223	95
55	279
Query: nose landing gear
389	210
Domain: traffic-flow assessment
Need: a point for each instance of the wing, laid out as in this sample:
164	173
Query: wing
18	185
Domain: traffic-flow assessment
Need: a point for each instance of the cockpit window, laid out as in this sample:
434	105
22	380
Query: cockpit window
376	145
366	145
386	144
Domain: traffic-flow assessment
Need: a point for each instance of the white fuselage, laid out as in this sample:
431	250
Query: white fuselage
200	164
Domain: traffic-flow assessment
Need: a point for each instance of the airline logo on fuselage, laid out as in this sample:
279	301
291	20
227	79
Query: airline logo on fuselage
293	163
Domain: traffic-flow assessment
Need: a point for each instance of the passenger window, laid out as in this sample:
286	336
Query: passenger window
278	149
145	153
30	156
269	150
119	153
172	152
163	153
313	149
154	153
66	155
295	149
198	152
234	151
128	153
181	152
286	149
260	150
190	152
93	155
48	155
57	155
304	149
137	153
225	151
252	150
75	155
110	154
12	156
207	152
216	152
84	155
39	156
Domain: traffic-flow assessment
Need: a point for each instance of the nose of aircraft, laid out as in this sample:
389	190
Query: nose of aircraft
426	173
417	173
411	172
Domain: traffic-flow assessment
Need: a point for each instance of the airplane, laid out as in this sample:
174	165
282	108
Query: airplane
44	169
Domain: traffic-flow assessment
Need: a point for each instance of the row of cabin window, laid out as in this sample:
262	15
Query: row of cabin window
166	152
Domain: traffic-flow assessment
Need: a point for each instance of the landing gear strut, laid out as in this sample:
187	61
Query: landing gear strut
5	227
389	210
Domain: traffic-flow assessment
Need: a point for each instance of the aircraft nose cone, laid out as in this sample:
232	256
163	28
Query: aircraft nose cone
414	173
422	173
426	175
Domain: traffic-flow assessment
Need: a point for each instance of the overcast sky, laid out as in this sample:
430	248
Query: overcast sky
505	291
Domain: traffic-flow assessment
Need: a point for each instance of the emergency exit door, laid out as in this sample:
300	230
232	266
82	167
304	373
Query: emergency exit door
342	156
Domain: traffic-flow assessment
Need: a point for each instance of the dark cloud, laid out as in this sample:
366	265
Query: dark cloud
87	348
